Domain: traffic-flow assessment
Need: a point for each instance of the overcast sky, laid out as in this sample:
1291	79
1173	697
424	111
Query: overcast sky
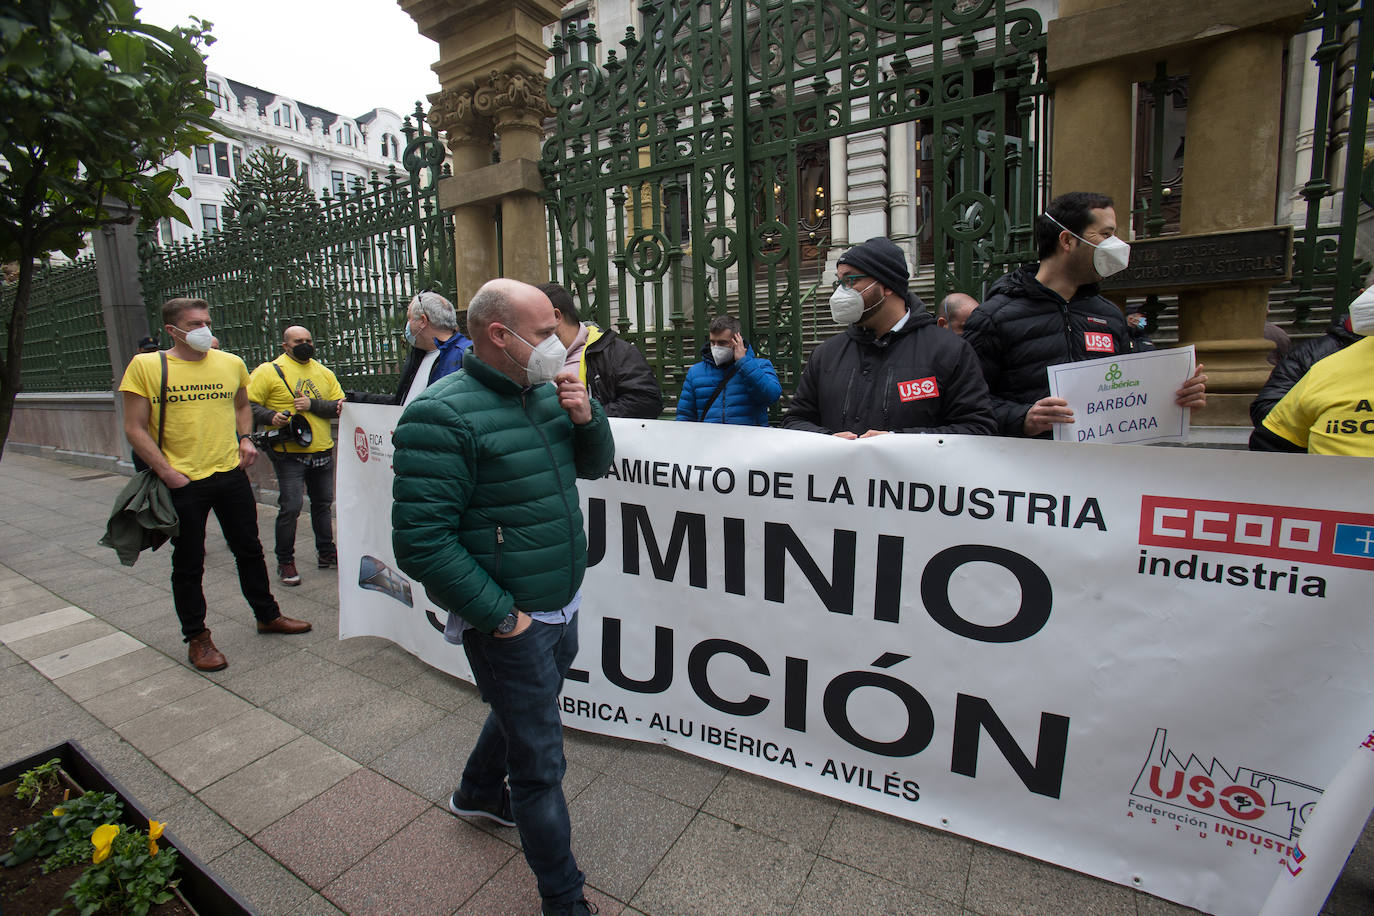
348	56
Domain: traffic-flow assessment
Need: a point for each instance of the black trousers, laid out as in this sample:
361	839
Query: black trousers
230	496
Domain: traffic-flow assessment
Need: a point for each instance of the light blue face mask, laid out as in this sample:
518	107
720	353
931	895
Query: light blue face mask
410	335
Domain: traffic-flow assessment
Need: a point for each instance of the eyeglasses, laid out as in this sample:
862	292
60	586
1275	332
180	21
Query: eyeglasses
849	281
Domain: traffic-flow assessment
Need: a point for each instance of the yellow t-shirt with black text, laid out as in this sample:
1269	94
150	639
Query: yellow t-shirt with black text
1330	411
200	439
310	379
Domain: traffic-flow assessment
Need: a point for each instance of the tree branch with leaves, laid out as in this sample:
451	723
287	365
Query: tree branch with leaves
94	101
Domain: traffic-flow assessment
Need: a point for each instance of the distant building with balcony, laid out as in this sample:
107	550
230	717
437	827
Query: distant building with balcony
338	151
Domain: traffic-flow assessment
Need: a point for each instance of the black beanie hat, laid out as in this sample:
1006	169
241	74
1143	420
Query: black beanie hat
882	260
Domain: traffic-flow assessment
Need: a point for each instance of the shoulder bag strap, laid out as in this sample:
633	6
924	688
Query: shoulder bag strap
282	375
162	401
725	379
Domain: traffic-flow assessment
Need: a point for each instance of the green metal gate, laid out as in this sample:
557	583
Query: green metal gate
682	176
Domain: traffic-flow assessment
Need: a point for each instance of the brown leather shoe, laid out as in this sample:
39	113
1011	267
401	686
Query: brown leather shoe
287	625
203	655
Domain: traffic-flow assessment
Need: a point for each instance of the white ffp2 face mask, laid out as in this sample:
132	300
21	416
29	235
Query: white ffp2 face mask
722	356
847	304
1362	313
546	361
201	339
1110	256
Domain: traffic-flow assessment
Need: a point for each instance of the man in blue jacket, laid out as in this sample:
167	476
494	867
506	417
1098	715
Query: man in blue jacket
731	384
436	350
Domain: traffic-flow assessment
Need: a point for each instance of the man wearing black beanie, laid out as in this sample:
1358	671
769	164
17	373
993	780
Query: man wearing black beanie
892	370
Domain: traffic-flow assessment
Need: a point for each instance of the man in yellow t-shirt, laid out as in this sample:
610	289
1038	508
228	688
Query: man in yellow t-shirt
296	382
1330	411
200	453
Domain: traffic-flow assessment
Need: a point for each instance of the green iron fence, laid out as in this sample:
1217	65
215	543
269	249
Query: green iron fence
1326	268
344	268
686	171
65	347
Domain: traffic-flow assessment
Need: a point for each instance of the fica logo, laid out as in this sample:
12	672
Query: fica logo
1248	798
368	445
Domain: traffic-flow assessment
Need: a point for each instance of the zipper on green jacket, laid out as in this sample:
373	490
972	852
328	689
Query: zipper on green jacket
567	508
500	539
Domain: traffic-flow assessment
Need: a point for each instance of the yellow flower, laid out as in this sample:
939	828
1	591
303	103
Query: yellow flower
154	831
58	812
101	839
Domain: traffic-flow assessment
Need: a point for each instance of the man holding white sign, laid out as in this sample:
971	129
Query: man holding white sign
1049	313
486	516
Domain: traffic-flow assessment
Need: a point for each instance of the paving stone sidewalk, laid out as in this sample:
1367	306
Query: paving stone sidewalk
312	774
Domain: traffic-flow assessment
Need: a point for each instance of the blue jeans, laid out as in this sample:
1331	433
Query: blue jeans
294	478
520	678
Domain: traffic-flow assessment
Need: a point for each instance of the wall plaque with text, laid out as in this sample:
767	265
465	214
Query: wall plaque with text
1217	258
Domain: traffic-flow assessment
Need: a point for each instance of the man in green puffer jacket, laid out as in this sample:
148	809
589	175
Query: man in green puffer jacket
485	515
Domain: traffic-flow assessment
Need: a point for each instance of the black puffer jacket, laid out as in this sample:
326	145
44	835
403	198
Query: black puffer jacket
619	376
854	383
1023	327
1294	366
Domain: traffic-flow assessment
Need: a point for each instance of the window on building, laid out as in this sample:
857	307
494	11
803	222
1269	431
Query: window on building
237	154
165	230
303	171
344	135
276	117
286	119
574	22
209	218
222	160
212	92
336	180
203	160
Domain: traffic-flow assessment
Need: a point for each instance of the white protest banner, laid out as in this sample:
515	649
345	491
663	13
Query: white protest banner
1141	665
374	597
1126	399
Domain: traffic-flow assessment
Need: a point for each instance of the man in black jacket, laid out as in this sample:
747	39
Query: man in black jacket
893	370
1049	313
1298	360
614	371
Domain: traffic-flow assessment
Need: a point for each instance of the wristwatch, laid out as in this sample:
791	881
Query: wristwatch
507	625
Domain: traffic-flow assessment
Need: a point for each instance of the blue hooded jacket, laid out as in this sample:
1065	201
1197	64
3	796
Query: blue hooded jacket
752	389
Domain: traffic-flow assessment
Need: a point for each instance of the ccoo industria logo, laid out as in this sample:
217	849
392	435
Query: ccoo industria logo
1254	801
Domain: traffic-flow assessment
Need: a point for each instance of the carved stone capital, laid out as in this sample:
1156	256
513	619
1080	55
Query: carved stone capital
453	112
512	90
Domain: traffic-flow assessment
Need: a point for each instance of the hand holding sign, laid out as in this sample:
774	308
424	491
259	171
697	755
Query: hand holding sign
1121	399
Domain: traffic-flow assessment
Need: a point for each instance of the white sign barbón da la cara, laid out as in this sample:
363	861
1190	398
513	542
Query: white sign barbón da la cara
1141	664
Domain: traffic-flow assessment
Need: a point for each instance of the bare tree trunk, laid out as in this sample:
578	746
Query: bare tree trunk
10	379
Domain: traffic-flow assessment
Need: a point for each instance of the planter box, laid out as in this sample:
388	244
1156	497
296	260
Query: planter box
199	886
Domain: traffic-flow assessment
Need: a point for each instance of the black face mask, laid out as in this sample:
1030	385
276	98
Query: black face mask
303	351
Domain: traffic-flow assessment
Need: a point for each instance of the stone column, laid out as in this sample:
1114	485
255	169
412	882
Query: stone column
839	193
492	58
1235	90
1094	120
121	301
518	110
900	179
1093	123
470	141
